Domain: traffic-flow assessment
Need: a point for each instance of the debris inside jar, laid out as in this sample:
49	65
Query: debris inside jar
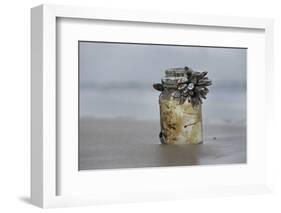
180	124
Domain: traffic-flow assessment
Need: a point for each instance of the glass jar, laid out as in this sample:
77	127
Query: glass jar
180	106
180	123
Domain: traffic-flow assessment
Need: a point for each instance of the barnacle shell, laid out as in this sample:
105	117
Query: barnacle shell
190	86
182	86
158	87
176	94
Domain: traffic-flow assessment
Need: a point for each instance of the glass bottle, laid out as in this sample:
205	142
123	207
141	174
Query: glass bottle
180	106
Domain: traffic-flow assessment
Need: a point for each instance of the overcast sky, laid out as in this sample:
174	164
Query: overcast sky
106	62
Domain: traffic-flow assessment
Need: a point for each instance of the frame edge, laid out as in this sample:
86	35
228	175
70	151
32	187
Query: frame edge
37	106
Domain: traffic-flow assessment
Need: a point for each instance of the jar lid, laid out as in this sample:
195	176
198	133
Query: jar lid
175	72
173	77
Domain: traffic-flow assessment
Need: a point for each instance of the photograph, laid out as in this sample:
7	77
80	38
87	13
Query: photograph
145	105
158	105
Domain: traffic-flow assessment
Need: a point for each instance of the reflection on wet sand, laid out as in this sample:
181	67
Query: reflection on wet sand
109	144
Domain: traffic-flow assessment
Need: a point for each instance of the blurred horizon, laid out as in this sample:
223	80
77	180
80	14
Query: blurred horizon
116	80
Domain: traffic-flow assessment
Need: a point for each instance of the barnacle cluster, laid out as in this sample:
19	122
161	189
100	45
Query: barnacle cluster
191	85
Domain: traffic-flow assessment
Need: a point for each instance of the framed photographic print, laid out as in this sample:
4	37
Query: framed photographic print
132	106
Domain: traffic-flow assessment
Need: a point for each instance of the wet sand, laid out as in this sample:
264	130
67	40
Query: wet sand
120	143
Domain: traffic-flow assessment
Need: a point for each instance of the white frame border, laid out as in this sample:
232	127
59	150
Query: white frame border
43	91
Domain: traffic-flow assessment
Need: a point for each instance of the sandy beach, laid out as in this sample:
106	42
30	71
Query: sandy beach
124	143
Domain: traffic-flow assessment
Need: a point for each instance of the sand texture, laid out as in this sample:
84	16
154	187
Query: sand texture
111	144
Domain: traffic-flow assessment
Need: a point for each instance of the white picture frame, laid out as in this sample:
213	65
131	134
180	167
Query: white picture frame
49	171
